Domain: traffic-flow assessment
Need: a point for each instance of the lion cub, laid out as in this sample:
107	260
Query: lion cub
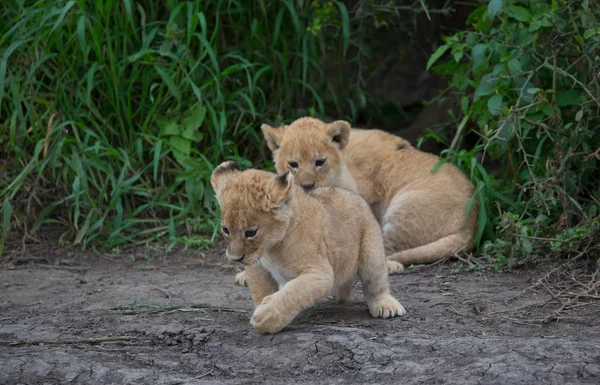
299	247
422	214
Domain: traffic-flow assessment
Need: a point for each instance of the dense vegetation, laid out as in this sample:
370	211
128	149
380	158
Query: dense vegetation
114	113
527	77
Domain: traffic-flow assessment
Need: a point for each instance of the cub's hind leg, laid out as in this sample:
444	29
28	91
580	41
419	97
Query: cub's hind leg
417	230
373	273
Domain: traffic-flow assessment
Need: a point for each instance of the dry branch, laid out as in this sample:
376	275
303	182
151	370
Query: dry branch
91	341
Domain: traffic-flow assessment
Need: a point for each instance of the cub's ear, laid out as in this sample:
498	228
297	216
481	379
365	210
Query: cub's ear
280	191
223	174
273	136
339	132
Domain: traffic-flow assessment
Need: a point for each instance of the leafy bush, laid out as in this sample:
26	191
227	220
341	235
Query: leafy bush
527	74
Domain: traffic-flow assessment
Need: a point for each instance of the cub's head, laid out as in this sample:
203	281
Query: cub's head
255	209
308	148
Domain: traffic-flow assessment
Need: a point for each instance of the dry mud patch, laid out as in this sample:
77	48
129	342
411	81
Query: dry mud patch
184	321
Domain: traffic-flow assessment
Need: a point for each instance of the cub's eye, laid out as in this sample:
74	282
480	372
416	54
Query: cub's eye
250	234
293	164
320	162
225	230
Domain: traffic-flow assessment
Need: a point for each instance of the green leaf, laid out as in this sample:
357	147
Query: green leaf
464	104
535	26
494	7
439	164
484	24
169	82
345	25
81	32
495	104
180	144
192	123
482	219
170	129
6	214
457	56
484	89
589	33
514	66
3	67
473	197
569	98
156	159
527	246
84	229
62	15
479	54
519	13
436	55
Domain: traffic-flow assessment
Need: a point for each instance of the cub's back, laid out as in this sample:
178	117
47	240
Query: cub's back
344	209
383	161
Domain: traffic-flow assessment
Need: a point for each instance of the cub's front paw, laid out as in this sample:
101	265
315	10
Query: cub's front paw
395	267
385	307
269	318
241	279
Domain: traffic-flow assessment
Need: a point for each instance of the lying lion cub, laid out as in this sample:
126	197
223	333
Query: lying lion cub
422	214
299	247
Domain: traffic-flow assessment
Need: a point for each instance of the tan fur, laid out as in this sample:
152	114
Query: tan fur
306	246
422	214
322	142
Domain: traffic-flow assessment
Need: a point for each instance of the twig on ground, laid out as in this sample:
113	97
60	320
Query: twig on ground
442	303
91	341
406	271
164	291
204	375
63	267
190	308
468	261
522	322
516	309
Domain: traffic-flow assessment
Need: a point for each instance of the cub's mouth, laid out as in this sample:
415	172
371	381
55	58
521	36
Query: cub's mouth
249	259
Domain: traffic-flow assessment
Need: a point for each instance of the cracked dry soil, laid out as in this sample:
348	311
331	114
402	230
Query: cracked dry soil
184	321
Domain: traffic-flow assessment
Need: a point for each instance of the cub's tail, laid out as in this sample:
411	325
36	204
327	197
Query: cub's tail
434	251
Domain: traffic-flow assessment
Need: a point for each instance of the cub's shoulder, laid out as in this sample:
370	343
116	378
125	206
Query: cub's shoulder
337	196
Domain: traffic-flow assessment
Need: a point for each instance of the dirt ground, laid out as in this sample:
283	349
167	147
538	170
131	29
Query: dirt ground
182	320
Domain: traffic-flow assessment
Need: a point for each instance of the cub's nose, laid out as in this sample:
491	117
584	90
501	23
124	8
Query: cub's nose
308	187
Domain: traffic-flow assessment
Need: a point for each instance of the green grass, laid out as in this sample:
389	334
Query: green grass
113	114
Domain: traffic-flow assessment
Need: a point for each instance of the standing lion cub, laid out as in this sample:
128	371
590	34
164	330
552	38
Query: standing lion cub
422	213
299	247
